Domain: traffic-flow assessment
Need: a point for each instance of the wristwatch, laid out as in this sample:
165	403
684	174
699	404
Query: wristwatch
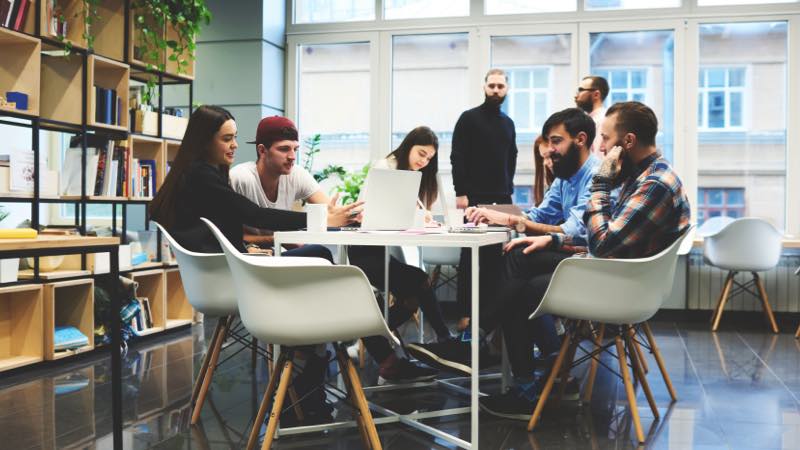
520	225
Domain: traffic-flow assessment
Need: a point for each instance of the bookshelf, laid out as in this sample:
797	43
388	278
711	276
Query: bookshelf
61	77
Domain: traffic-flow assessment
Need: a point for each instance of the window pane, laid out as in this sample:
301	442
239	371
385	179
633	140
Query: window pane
714	197
521	79
631	4
716	77
641	65
415	9
333	101
430	87
522	107
317	11
548	58
750	162
529	6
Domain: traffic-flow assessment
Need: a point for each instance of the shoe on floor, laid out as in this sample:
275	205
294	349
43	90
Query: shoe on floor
511	405
450	356
401	370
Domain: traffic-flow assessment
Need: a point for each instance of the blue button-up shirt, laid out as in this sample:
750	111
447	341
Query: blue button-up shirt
565	202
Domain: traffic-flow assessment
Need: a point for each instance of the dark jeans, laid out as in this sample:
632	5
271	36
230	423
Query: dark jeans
523	283
318	251
409	285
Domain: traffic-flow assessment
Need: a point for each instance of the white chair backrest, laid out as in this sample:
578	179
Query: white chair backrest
713	225
441	256
748	244
206	279
302	301
687	242
614	291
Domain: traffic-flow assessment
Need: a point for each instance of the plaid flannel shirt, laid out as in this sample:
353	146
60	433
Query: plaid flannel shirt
651	212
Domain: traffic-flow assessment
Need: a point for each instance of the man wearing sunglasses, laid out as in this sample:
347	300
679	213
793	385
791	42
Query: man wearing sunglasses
589	97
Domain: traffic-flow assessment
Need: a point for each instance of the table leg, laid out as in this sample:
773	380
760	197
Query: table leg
475	345
386	284
116	357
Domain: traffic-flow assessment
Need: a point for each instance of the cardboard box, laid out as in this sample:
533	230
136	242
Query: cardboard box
146	122
9	270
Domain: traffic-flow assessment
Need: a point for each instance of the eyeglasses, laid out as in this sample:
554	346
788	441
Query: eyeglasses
582	89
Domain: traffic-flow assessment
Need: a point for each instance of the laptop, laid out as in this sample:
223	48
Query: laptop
390	199
460	227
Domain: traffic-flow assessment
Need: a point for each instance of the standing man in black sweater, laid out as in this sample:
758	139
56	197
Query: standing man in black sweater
484	159
484	154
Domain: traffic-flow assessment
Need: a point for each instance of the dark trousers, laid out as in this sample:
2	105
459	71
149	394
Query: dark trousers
318	251
524	281
410	287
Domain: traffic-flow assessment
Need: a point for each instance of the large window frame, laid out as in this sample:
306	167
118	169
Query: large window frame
683	21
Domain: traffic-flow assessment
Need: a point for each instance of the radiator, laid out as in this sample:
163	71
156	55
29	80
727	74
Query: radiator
782	285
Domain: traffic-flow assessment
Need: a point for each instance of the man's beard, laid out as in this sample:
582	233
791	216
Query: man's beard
586	106
495	100
565	166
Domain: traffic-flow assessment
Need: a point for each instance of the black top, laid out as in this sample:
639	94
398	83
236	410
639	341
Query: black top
484	154
204	192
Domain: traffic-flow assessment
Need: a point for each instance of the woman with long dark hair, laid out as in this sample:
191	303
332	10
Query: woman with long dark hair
409	284
197	186
543	170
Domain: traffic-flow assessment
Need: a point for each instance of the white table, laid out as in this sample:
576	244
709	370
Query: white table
472	241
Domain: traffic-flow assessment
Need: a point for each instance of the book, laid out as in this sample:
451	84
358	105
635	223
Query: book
107	108
112	107
5	11
21	14
70	182
18	233
101	172
148	315
12	15
148	167
113	178
69	338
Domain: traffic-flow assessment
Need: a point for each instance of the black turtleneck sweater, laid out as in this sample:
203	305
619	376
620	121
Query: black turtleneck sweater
484	154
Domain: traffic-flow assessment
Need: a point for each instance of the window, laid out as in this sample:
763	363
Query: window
625	84
334	100
648	77
715	202
528	100
415	9
630	4
720	102
529	6
320	11
523	196
740	144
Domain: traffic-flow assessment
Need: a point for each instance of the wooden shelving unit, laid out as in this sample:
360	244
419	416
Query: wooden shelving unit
68	303
152	284
70	400
72	11
108	74
187	73
21	68
21	326
61	92
143	148
108	40
179	311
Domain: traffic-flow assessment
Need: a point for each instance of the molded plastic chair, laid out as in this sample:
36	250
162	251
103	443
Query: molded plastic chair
750	245
624	293
797	333
207	283
295	301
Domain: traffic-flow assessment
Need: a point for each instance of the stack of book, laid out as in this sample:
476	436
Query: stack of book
107	170
107	106
143	320
13	13
143	177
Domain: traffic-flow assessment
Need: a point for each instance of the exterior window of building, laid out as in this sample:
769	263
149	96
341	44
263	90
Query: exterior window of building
720	103
630	4
416	9
625	84
528	100
333	98
742	144
648	74
321	11
716	202
529	6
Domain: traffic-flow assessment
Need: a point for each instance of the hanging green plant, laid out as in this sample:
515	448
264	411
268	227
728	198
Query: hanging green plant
151	19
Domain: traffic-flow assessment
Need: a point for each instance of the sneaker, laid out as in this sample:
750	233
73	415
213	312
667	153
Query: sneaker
511	405
405	371
451	356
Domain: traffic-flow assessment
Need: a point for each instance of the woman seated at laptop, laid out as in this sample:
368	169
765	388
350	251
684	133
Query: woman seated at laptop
408	284
542	169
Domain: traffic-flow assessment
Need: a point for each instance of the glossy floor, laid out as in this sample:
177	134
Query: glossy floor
737	390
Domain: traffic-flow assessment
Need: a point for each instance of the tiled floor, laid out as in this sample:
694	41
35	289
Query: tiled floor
737	390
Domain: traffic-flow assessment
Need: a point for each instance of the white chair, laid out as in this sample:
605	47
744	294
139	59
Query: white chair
206	281
305	301
797	333
624	293
750	245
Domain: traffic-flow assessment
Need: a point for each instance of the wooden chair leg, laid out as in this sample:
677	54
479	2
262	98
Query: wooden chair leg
212	366
722	300
626	379
598	342
639	352
797	333
551	379
363	407
262	410
659	360
277	405
362	354
566	366
341	355
204	366
765	302
638	371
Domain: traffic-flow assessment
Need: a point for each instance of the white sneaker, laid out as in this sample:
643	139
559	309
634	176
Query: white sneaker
352	351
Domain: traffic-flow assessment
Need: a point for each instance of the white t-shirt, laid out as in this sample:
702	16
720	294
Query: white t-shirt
298	185
598	115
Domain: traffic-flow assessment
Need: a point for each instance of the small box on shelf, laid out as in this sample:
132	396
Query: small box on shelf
61	92
152	286
21	70
109	30
68	304
146	166
21	326
64	18
107	88
9	270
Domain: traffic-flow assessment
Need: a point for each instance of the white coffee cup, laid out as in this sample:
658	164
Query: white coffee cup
317	217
